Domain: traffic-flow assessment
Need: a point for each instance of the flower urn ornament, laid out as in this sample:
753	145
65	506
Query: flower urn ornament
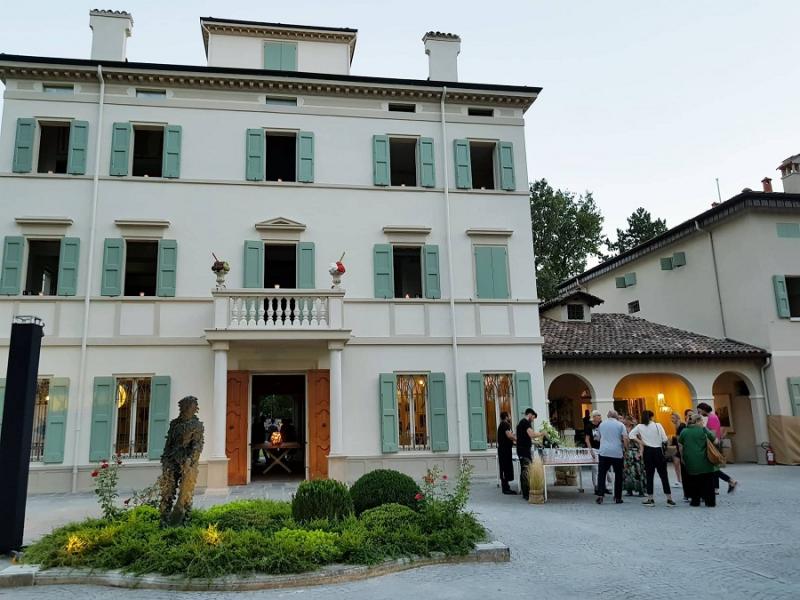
336	270
220	268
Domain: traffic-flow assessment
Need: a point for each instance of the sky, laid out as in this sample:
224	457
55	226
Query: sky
644	103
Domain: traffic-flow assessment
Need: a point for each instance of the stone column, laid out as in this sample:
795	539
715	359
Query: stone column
218	461
337	438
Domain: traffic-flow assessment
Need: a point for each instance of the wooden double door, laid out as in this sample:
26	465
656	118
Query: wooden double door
237	439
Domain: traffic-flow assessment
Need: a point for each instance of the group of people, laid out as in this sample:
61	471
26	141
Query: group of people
630	454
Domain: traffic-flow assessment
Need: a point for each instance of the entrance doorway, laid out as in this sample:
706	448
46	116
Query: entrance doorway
278	427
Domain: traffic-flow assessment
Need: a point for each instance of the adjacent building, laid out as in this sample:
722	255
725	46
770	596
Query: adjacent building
122	182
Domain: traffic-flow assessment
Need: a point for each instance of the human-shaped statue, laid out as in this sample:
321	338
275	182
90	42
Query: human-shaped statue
179	462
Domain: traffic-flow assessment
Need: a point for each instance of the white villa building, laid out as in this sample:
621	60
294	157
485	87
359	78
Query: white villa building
120	179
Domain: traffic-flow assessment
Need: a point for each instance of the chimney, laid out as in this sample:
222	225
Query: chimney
110	32
767	183
790	174
442	50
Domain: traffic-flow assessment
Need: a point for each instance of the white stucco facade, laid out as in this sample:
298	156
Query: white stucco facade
212	207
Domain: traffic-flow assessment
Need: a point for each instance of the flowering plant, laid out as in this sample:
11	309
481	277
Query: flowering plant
437	493
551	434
106	476
220	266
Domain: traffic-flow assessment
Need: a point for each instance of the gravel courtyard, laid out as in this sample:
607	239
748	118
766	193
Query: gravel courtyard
748	547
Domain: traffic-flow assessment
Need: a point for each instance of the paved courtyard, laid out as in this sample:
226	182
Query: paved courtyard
748	547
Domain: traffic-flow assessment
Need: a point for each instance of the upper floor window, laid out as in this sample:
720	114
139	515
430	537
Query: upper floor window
139	267
51	266
53	147
787	295
59	89
279	155
406	271
146	150
278	265
151	94
403	161
484	165
280	101
491	272
42	276
633	307
280	56
281	152
575	312
480	112
402	107
58	146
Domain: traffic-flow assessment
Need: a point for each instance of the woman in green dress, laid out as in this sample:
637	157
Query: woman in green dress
633	476
701	472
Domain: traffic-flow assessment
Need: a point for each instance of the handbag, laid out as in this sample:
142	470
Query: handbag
715	457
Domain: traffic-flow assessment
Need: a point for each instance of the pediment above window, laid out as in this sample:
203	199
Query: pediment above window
280	224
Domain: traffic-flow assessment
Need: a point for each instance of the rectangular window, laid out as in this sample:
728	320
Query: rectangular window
280	266
481	156
133	416
491	272
498	396
281	156
148	151
407	263
280	56
480	112
793	291
53	147
633	307
155	94
281	101
64	90
43	260
141	268
403	161
40	419
575	312
400	107
412	412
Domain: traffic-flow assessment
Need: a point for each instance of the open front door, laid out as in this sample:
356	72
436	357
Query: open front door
319	423
236	438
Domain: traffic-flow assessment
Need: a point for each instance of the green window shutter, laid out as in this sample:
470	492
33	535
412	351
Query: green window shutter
427	166
78	147
111	283
437	399
388	410
166	280
500	272
781	295
13	248
666	264
679	259
433	285
506	152
477	412
171	160
305	157
383	265
620	282
462	164
23	146
381	174
524	392
273	55
794	395
484	281
288	56
159	416
120	148
253	264
2	401
102	417
68	266
55	431
254	148
305	265
630	279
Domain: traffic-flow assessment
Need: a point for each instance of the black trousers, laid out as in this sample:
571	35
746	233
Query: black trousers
654	461
604	463
524	481
721	475
701	487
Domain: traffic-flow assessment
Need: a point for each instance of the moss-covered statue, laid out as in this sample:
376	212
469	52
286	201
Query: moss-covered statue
180	461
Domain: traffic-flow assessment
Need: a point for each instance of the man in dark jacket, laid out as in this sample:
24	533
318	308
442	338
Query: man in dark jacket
505	442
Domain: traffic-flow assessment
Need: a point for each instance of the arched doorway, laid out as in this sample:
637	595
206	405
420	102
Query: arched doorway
662	393
569	398
733	407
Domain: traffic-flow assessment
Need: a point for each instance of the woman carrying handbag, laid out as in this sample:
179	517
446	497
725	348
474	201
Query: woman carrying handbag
652	438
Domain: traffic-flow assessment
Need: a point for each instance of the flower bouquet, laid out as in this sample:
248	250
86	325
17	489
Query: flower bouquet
336	270
552	438
220	268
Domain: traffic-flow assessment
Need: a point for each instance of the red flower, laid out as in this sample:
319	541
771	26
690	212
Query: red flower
418	497
104	465
444	477
340	266
95	473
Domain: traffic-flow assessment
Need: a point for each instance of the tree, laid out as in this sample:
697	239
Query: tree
567	230
641	227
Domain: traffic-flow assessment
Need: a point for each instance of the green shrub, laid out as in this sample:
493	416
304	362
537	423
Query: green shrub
383	486
318	547
266	516
456	534
321	499
395	530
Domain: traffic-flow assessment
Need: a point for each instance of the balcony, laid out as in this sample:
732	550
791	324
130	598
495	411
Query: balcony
278	314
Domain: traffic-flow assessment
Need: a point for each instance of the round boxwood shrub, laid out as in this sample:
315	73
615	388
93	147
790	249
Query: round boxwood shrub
321	499
383	486
395	530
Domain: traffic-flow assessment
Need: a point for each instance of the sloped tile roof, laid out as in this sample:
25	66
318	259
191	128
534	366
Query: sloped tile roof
610	335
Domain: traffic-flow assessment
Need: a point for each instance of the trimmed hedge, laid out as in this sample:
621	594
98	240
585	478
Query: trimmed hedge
321	499
383	486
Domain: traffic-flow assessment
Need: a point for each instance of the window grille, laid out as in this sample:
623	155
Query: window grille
412	412
498	396
633	307
40	419
133	416
575	312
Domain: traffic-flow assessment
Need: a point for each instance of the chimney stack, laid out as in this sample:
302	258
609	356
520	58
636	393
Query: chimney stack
790	174
442	50
110	32
767	184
